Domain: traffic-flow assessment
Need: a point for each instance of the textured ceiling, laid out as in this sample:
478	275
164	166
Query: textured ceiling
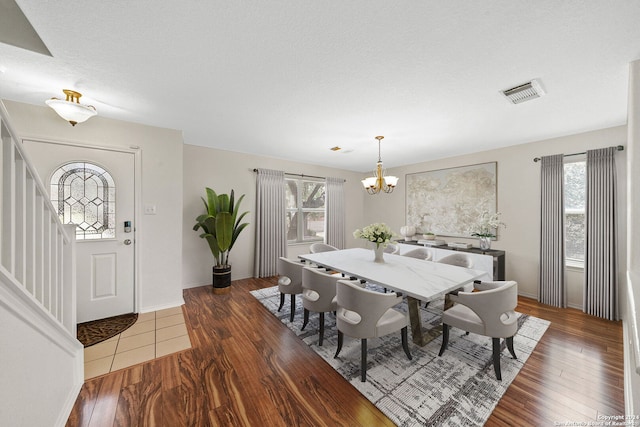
290	79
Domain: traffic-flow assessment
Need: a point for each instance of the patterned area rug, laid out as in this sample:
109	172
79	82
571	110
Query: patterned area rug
457	389
90	333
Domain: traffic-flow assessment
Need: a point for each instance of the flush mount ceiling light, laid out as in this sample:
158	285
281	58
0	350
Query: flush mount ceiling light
524	92
379	182
70	109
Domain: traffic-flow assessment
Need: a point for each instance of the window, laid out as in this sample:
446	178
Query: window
85	195
574	212
305	210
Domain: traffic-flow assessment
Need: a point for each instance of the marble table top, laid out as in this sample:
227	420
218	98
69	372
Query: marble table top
424	280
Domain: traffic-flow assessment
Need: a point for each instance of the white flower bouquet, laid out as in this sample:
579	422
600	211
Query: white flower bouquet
488	225
378	233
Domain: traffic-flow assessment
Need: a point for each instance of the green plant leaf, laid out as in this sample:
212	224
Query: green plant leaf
223	203
236	233
215	249
211	203
224	230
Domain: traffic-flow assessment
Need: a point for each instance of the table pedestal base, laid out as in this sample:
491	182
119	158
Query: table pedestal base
419	335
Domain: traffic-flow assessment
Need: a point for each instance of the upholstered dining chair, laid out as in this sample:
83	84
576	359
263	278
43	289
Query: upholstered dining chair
489	312
391	248
420	253
290	282
319	295
321	247
461	260
363	314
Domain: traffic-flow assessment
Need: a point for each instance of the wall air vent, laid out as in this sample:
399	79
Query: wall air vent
524	92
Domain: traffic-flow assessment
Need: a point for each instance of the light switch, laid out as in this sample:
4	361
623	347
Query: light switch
149	209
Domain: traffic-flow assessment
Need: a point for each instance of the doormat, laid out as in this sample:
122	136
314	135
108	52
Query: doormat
95	331
457	389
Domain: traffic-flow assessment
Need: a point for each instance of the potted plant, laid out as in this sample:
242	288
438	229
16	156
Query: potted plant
378	233
221	226
486	228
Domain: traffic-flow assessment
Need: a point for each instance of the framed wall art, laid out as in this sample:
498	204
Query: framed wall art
448	202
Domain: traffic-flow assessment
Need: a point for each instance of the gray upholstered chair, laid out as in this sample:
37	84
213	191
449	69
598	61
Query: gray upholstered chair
321	247
489	312
419	253
460	260
363	314
391	248
319	295
290	282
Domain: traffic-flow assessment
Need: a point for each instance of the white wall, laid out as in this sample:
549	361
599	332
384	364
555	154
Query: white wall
159	237
518	200
225	170
36	390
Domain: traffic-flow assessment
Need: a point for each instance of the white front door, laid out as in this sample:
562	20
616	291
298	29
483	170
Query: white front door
105	260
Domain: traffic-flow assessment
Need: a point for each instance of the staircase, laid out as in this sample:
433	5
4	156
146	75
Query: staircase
41	360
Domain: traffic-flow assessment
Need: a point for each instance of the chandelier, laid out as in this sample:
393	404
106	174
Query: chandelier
70	109
379	182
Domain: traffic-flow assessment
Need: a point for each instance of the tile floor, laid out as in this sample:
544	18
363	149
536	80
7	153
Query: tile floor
154	334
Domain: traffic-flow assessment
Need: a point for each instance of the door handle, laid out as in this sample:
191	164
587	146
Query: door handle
127	242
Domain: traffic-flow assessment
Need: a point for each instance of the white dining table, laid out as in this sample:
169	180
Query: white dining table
417	279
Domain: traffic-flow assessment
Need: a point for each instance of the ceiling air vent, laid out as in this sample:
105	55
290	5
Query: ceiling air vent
524	92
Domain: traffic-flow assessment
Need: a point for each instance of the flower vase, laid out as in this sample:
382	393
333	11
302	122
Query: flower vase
485	243
379	253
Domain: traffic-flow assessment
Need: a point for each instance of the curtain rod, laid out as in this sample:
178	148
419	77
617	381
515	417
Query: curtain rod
619	147
301	175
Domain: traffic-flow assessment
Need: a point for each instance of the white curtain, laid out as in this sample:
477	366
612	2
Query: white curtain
601	261
552	289
271	238
335	216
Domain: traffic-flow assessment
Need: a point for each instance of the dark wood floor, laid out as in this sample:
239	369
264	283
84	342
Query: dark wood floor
247	369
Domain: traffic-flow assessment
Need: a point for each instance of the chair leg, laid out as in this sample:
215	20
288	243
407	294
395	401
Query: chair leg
363	360
293	307
305	319
496	357
445	338
510	347
405	342
321	330
281	301
340	338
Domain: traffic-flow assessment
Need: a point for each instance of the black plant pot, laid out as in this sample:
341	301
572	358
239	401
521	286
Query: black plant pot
221	279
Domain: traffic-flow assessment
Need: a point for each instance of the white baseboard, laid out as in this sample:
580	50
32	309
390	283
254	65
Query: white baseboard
195	285
69	403
176	303
527	295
